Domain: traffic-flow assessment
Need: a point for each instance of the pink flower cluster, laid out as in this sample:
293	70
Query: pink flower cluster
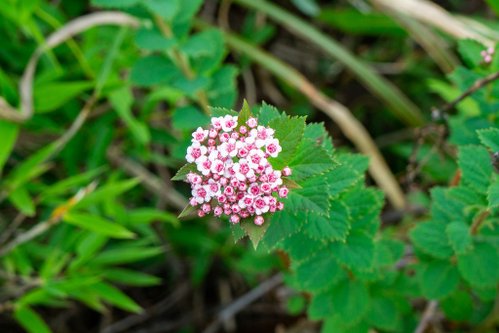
487	55
234	177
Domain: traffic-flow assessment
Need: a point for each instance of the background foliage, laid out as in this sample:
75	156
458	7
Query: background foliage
90	239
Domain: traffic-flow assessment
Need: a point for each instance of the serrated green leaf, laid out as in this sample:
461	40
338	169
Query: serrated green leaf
289	132
318	272
267	113
357	252
348	171
221	112
430	237
255	232
97	224
283	224
490	138
364	206
476	167
223	86
153	70
310	159
332	228
115	297
321	306
30	320
9	136
184	171
293	245
438	279
479	266
188	211
244	114
459	237
311	197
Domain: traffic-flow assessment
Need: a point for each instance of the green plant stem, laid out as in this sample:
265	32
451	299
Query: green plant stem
182	62
397	102
350	126
477	223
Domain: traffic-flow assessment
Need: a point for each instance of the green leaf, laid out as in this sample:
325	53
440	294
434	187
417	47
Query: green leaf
51	96
115	297
106	192
350	300
188	118
9	136
332	228
222	90
470	49
494	5
184	171
438	279
318	272
477	266
356	253
430	237
490	138
459	237
289	132
255	232
476	167
115	3
493	194
165	9
125	255
383	314
293	245
131	278
97	224
310	159
283	224
267	113
244	114
30	320
153	40
321	306
148	215
153	70
21	199
122	100
348	171
458	306
364	206
188	211
311	197
205	49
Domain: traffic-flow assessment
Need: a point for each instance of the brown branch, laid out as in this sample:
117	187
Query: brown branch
239	304
428	315
477	223
477	85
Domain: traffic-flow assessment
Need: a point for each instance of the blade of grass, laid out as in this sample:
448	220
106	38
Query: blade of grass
397	102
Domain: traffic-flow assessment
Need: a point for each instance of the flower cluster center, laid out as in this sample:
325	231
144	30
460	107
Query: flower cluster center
233	175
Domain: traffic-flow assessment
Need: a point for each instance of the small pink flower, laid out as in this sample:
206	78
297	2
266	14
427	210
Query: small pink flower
235	219
200	134
252	122
283	192
201	213
206	208
218	211
259	220
286	171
